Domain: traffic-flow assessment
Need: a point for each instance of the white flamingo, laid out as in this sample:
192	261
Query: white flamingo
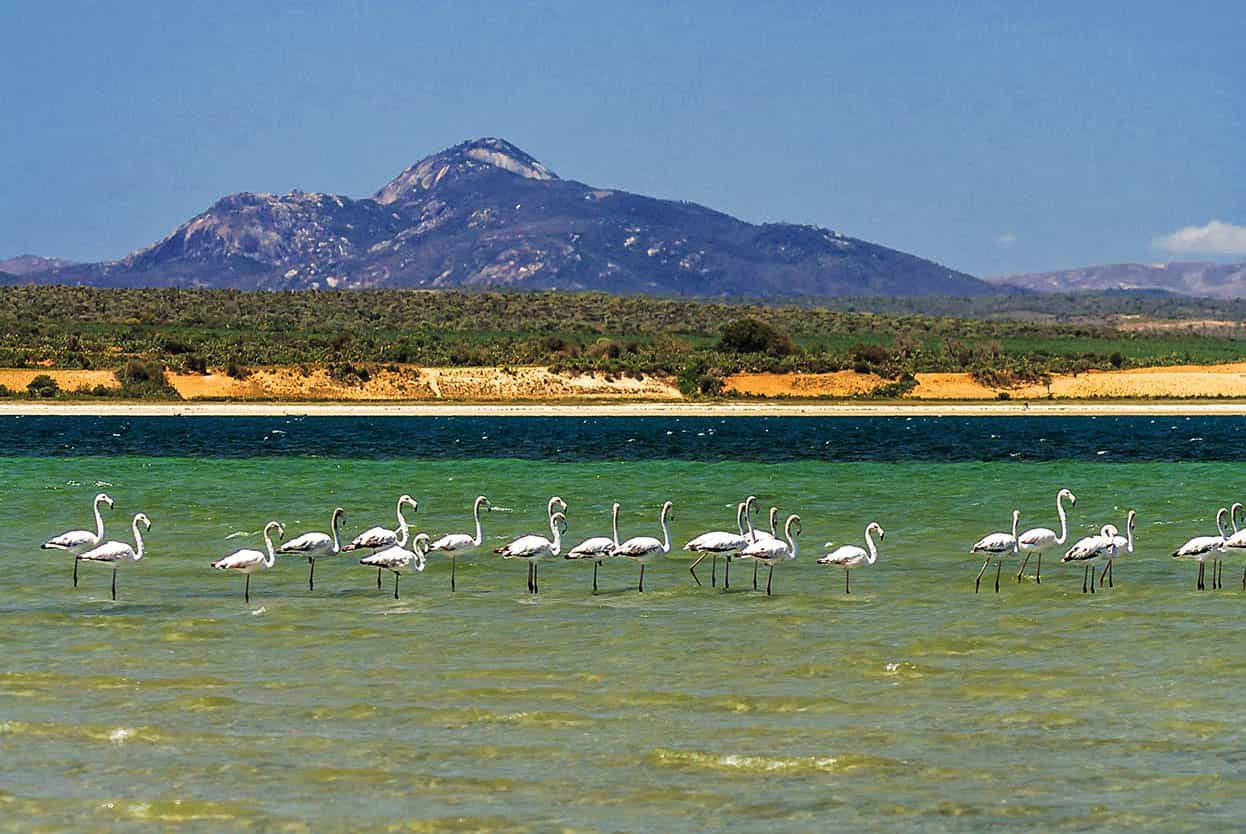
773	551
996	546
533	548
118	554
1038	539
1121	544
1237	542
398	559
762	535
1202	548
374	538
598	548
718	543
314	546
1089	549
457	544
248	561
79	541
644	549
851	556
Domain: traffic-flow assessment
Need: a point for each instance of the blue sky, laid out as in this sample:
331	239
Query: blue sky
993	137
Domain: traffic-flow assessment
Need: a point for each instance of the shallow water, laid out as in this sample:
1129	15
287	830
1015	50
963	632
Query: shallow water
912	704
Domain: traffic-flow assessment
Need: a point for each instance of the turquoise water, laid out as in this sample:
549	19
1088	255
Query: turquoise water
912	704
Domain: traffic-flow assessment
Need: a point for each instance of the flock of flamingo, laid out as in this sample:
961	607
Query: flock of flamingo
398	551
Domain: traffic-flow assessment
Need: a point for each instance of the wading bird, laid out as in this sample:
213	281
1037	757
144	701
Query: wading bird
1090	549
1202	548
456	544
118	554
772	551
79	541
1122	545
533	548
314	546
1038	539
374	538
851	556
598	548
248	561
644	549
718	543
398	559
996	546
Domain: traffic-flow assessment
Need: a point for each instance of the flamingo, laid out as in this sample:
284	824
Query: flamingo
117	553
1122	543
1202	548
1038	539
314	545
1090	549
996	546
248	561
1237	542
375	538
456	544
718	543
397	558
772	551
762	535
598	547
79	541
643	549
851	556
533	548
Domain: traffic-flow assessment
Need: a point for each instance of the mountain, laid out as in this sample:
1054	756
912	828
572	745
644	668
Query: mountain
487	214
27	264
1209	280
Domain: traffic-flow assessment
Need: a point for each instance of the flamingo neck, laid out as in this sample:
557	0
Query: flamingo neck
138	539
557	543
1064	522
774	516
614	523
480	536
271	558
739	518
869	543
333	529
1220	523
1015	519
791	542
666	533
99	522
404	530
1129	536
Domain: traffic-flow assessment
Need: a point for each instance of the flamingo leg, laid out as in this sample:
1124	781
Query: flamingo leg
692	569
714	573
1244	579
246	589
727	575
1038	571
596	565
396	575
114	584
76	574
536	587
641	587
1024	562
1219	574
453	563
999	566
529	577
311	575
1086	568
378	579
1092	578
847	573
769	579
754	576
1198	582
978	581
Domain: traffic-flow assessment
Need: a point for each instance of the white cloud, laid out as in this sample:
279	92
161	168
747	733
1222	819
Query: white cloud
1216	238
1006	239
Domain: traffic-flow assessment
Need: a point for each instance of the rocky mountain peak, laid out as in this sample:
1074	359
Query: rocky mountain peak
475	157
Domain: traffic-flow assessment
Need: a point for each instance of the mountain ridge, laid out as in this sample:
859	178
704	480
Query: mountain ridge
1202	279
486	214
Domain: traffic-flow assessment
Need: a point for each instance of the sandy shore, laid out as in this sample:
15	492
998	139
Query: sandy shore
638	409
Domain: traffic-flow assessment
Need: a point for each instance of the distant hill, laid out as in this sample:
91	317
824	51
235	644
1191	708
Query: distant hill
486	214
27	264
1207	280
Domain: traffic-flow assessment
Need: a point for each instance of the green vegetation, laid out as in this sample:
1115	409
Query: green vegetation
352	333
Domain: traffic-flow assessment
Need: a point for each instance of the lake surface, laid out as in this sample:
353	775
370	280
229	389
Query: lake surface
910	705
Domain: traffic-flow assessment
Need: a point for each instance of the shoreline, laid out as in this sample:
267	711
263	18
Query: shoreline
625	409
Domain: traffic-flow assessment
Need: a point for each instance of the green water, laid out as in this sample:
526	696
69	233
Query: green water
910	705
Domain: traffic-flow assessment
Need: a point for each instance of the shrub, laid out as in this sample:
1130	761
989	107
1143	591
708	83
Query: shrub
748	335
43	386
